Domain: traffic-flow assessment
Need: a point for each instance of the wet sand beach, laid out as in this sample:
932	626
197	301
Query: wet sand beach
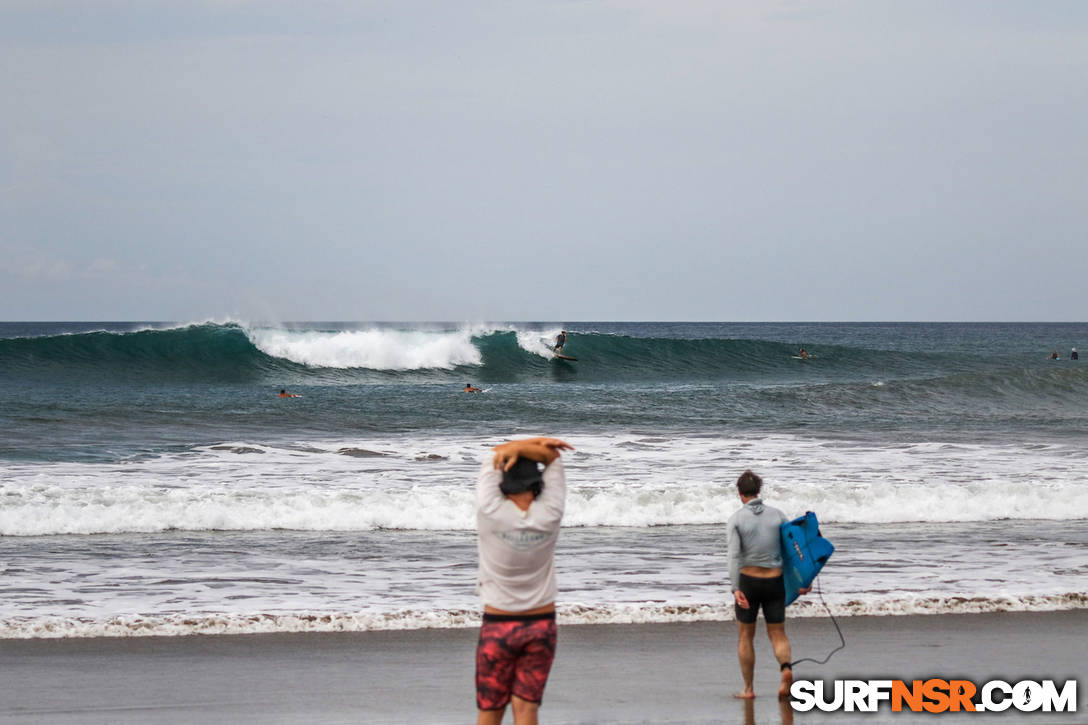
645	673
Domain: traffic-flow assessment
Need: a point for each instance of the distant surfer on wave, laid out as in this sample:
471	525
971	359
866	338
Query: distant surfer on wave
285	394
518	512
1054	356
560	341
1074	355
755	572
469	388
802	354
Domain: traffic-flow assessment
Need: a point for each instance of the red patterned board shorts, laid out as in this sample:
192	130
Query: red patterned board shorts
513	657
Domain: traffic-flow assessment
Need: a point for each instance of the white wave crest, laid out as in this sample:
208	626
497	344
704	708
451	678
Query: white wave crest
55	510
135	509
537	342
426	483
375	349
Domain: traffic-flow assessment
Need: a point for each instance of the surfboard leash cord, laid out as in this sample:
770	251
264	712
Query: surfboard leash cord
842	640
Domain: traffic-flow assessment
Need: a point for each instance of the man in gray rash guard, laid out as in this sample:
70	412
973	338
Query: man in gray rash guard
755	571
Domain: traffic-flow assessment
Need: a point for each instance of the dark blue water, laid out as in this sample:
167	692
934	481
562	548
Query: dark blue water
107	391
153	482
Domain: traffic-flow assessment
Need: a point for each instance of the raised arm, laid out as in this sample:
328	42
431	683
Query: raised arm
548	507
540	449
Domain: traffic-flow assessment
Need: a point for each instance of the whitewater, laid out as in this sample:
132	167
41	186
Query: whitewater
425	483
152	482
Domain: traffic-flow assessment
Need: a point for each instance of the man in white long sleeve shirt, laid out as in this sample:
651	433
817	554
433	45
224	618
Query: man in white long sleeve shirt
518	512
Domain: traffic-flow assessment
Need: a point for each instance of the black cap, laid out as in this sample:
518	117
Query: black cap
524	476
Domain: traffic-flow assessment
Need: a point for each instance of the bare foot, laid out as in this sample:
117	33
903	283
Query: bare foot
745	694
787	680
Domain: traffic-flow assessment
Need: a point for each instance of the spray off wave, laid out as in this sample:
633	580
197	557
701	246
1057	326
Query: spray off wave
373	349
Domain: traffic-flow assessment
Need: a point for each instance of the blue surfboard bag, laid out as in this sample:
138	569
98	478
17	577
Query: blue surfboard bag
804	553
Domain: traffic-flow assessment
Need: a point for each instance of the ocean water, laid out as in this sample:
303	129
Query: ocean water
152	482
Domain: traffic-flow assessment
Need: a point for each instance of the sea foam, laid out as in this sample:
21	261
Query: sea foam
376	349
613	481
538	342
136	625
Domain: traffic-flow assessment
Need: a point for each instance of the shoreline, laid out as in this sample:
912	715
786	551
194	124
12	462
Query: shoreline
603	673
310	622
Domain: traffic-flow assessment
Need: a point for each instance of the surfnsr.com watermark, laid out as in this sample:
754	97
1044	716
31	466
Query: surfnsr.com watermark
934	695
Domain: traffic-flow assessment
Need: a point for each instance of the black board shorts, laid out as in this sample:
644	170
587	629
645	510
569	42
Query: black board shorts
767	593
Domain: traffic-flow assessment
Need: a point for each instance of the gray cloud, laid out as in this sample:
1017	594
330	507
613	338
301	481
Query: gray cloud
568	160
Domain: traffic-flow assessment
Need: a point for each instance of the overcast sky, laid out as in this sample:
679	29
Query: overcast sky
546	160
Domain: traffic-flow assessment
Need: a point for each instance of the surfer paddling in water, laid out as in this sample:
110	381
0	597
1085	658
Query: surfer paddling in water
755	572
